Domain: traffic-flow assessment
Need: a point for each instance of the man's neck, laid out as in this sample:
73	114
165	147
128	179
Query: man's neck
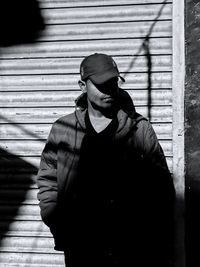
99	123
95	113
99	120
101	113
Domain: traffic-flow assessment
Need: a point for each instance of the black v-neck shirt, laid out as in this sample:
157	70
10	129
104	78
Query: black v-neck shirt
98	186
97	161
107	132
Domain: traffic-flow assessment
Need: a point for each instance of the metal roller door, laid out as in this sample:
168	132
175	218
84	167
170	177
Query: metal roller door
38	84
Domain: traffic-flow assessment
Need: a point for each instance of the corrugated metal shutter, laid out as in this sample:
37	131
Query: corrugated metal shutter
38	84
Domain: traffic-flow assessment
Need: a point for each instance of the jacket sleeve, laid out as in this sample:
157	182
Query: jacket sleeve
154	155
162	194
47	179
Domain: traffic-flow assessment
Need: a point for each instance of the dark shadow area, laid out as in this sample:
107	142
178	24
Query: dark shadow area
20	21
146	47
192	223
149	71
15	180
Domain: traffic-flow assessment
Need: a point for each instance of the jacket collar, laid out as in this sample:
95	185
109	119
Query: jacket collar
127	116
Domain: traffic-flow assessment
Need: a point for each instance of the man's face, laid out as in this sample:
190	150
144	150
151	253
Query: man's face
104	95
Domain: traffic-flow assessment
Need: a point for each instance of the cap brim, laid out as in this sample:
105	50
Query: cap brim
104	77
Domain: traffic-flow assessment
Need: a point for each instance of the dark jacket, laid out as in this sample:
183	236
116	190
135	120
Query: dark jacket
146	185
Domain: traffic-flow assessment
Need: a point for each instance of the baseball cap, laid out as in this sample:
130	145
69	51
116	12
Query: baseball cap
99	68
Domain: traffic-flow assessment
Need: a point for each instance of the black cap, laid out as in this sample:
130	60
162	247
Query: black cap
99	68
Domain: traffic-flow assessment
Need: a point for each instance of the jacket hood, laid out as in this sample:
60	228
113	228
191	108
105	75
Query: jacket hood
127	115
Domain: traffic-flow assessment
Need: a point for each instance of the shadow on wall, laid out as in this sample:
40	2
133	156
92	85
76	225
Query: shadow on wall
178	246
15	180
146	47
20	23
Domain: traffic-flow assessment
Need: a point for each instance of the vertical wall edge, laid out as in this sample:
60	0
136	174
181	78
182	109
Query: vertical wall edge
178	87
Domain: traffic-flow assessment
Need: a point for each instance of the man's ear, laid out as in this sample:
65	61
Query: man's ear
82	85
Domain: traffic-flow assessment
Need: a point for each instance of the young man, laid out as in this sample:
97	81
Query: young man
105	189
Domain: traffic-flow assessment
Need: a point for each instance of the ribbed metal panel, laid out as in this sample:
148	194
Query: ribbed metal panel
34	148
160	63
67	98
38	84
30	256
112	13
78	3
50	114
83	48
30	131
19	170
107	30
70	82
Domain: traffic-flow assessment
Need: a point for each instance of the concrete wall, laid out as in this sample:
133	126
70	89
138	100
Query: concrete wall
192	132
